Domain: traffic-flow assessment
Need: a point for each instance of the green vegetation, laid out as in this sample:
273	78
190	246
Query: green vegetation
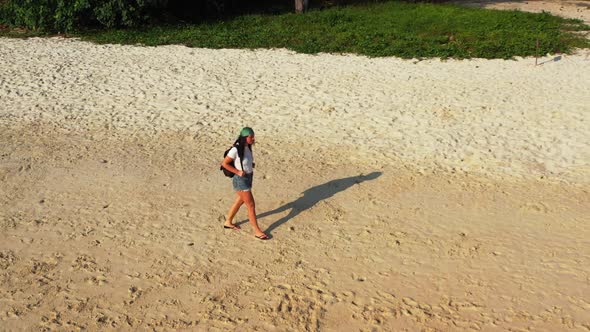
69	15
407	30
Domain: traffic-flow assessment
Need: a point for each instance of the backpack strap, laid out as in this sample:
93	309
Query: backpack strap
237	145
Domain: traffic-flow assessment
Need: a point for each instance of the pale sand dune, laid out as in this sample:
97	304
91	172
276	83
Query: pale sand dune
400	195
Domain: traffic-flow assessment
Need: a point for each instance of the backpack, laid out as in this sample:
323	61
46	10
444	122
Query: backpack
225	171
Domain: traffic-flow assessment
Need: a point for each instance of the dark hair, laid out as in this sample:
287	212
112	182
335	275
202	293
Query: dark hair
240	144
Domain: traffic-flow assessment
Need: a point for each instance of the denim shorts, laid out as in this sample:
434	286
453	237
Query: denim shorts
242	183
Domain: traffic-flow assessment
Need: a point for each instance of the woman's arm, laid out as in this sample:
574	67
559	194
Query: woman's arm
226	163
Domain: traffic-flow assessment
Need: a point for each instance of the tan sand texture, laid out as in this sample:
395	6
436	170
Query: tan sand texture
400	195
578	9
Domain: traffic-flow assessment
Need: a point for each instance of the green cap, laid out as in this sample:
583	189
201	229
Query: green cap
246	131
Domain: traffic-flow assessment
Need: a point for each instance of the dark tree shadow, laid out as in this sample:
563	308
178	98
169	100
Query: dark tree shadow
213	10
312	196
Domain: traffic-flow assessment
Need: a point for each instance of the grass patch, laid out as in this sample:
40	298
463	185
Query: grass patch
406	30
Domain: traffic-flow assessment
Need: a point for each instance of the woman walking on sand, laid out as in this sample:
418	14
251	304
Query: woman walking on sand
243	168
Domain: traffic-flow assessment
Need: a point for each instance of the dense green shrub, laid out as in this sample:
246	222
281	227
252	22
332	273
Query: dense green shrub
3	13
394	28
69	15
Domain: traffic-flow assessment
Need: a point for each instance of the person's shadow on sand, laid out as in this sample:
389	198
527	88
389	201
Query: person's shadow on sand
314	195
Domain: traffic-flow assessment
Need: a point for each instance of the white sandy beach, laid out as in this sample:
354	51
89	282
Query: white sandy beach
401	195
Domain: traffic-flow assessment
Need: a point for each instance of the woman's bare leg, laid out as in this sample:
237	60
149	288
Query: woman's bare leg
233	210
248	199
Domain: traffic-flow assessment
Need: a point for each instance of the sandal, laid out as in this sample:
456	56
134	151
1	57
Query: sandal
262	237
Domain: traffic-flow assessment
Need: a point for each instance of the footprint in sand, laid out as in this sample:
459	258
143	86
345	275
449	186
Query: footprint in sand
104	320
7	259
42	267
96	280
8	222
376	315
134	294
464	246
534	207
296	309
85	263
52	321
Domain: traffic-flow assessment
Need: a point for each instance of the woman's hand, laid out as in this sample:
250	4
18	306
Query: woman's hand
241	174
